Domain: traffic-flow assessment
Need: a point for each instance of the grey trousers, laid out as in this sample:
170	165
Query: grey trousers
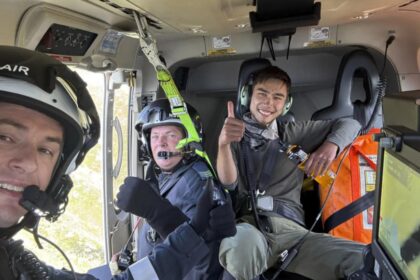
249	253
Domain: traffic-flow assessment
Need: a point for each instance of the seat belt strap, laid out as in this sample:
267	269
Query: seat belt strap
247	168
285	211
349	211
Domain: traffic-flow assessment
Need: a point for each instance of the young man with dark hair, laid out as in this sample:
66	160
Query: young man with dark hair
278	226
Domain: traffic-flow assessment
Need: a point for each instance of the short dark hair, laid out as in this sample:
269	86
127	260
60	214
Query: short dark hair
272	72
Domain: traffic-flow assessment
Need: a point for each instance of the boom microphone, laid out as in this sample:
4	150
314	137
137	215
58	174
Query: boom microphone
37	201
167	155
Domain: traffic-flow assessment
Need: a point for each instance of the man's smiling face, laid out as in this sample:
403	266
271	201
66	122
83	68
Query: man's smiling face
30	145
268	100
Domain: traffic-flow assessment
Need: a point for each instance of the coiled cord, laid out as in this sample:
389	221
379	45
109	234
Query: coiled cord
380	89
32	266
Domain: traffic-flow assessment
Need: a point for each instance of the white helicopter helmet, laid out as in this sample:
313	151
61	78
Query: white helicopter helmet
39	82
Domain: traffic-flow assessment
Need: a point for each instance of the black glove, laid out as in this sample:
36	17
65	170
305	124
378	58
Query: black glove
222	222
214	218
137	196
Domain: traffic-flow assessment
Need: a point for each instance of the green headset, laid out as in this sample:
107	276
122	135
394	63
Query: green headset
250	68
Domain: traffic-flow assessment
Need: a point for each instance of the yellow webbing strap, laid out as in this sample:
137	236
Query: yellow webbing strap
178	106
179	109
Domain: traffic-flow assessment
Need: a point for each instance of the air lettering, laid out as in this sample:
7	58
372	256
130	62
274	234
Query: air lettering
15	68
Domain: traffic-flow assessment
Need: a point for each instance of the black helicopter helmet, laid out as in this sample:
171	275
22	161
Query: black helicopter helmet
158	113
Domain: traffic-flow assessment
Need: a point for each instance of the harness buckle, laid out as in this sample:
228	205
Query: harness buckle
259	193
178	106
265	203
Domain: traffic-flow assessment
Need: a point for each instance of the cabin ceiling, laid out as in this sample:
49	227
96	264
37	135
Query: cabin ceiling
221	17
185	18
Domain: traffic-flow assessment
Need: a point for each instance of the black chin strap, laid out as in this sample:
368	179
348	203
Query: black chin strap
29	221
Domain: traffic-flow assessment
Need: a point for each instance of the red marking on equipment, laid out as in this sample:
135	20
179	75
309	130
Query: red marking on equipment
62	58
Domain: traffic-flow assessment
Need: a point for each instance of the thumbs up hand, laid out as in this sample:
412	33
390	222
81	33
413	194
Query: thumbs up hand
233	128
230	110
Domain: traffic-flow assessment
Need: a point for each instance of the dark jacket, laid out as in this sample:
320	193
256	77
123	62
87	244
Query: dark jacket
170	260
182	187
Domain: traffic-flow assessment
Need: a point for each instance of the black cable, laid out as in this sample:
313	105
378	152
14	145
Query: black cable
269	45
380	88
112	232
57	248
387	44
35	233
271	48
261	46
131	234
294	250
288	46
125	256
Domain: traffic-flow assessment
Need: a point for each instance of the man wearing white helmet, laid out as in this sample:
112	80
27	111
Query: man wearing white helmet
48	122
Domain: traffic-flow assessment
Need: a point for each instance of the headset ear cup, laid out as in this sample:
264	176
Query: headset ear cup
143	154
245	100
248	95
288	104
66	184
60	197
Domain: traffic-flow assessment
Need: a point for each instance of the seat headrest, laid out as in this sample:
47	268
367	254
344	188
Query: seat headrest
358	63
248	67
